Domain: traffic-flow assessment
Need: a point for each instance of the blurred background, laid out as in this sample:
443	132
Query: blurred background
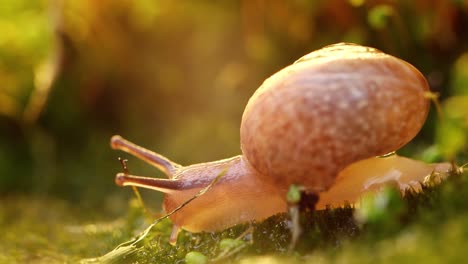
174	76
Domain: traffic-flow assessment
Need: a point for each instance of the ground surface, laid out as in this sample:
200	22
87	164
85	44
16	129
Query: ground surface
430	227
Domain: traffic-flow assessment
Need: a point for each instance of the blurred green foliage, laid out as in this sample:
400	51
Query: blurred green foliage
452	130
175	76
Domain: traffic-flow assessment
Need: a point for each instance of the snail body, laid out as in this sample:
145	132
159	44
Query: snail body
239	196
305	124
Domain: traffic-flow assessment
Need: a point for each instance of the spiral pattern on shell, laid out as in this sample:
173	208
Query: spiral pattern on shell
332	107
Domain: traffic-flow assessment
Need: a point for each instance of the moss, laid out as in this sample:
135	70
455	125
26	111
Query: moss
431	226
395	229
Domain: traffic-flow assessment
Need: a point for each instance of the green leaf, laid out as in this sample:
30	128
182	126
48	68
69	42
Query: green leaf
194	257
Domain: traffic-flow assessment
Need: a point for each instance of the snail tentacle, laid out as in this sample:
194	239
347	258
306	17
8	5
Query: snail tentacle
162	185
162	163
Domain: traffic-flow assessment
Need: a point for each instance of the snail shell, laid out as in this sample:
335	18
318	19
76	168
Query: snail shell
332	107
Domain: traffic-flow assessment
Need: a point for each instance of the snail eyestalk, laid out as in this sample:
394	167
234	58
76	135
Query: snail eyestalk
162	163
162	185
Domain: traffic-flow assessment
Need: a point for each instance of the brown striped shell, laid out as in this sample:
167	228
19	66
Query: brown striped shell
335	106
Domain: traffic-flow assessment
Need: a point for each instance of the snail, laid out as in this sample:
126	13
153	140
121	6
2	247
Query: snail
320	123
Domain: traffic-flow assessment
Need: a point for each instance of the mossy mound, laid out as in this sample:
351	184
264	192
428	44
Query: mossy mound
388	227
